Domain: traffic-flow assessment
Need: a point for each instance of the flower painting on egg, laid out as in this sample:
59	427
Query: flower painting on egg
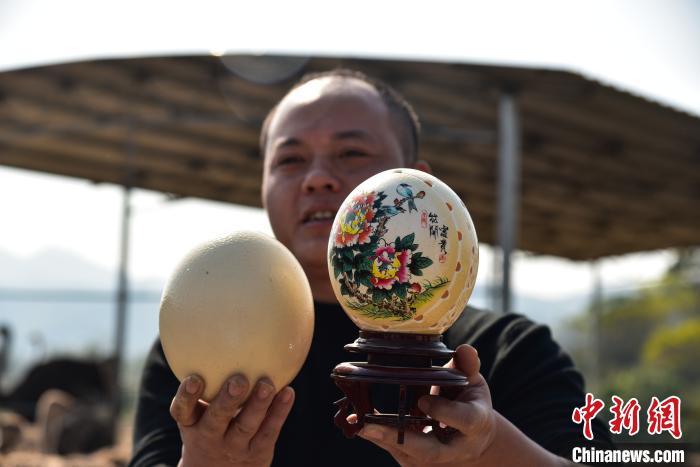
382	277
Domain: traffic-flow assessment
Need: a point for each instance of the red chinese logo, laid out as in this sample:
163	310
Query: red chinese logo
587	413
625	416
661	415
665	416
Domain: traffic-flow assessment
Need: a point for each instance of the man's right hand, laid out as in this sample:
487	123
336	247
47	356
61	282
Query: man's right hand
225	432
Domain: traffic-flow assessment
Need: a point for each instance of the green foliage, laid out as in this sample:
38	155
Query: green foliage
375	309
423	262
429	289
648	345
643	382
378	200
400	290
404	243
377	312
676	348
378	295
627	323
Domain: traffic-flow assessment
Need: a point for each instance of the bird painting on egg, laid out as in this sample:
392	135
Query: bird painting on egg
405	190
379	277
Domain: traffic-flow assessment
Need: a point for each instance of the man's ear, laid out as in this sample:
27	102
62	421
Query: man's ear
422	165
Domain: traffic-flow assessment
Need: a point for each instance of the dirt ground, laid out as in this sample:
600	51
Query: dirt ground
26	454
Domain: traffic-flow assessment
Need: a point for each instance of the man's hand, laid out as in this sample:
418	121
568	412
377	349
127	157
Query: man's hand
226	432
471	413
485	437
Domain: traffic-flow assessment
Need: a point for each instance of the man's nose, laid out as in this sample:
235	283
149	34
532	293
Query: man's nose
320	179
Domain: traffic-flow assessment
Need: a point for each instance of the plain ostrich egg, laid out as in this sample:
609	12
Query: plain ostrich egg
237	304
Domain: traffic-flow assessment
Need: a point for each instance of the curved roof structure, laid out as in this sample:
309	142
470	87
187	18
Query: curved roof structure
603	172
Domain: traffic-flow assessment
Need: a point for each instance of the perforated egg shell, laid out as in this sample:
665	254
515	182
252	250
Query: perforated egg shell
237	304
403	254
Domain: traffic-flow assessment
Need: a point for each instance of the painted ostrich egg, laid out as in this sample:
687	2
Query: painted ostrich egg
403	254
237	304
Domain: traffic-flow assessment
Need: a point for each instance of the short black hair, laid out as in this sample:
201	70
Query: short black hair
404	117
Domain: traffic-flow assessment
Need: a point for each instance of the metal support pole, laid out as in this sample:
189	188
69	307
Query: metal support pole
508	197
122	297
596	327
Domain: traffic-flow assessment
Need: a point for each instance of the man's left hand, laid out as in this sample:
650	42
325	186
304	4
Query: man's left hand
471	413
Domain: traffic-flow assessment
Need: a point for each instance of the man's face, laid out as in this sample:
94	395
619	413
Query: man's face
326	137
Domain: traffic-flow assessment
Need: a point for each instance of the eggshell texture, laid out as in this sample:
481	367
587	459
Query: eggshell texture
238	304
403	254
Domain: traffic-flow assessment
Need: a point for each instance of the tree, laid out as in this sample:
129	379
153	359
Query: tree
649	343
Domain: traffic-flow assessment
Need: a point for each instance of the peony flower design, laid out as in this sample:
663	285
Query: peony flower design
355	223
377	279
389	266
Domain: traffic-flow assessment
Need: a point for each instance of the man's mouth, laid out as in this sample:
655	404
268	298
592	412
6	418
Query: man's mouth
319	216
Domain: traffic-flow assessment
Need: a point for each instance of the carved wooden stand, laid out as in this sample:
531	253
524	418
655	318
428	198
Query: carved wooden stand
400	359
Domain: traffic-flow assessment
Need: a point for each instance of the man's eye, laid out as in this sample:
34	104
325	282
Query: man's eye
354	153
289	160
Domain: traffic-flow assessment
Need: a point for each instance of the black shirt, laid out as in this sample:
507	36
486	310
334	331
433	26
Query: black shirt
533	384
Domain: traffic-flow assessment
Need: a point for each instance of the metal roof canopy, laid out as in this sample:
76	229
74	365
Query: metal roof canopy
602	172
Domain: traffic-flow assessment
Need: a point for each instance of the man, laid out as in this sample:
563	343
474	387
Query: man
327	135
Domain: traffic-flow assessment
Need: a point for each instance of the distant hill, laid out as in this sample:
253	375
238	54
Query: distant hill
58	302
62	276
52	268
64	272
56	268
